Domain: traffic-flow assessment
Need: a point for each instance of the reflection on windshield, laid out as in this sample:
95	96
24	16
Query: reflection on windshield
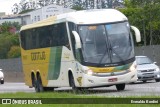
107	43
120	41
94	43
143	60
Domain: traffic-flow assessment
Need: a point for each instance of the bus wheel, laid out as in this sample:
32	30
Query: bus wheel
120	87
157	80
72	83
39	86
2	81
33	80
144	81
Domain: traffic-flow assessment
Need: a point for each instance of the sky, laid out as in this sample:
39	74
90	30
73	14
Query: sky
6	5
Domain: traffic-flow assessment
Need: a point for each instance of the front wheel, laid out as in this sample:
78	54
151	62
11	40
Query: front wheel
72	84
120	87
157	80
144	81
2	81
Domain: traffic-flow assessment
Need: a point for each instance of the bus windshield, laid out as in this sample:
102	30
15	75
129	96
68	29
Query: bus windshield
106	43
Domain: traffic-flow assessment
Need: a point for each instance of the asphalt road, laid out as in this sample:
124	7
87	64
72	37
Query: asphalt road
137	89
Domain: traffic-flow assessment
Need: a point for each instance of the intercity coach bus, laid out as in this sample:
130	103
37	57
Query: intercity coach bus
83	49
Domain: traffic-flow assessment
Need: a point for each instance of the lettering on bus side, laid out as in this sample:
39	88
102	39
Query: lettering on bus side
38	56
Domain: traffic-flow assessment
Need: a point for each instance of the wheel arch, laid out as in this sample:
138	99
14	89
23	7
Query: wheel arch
70	73
33	78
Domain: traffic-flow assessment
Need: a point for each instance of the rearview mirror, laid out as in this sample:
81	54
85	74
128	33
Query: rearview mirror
77	39
137	33
154	62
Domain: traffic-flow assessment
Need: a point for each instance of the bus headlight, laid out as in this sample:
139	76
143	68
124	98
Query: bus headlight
157	69
89	72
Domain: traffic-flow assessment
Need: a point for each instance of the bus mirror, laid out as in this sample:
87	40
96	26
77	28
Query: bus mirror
77	39
137	33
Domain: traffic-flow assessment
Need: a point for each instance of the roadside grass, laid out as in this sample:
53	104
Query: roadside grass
66	95
63	95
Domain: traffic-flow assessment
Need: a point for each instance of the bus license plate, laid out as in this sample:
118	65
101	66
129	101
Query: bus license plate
112	79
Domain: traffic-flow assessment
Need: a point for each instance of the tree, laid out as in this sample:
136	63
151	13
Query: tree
78	4
7	26
8	38
6	42
147	19
14	52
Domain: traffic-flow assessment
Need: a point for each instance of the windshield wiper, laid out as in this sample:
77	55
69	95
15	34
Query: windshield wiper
111	48
103	57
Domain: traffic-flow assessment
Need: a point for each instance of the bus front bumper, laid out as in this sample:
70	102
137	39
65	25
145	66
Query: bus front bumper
97	81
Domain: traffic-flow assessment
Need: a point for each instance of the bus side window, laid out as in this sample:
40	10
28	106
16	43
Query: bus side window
61	35
23	41
65	38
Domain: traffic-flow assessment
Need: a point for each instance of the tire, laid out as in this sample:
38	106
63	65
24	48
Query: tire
157	80
120	87
144	81
38	85
72	84
2	81
33	80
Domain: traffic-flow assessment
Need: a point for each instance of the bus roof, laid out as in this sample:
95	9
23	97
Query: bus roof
94	16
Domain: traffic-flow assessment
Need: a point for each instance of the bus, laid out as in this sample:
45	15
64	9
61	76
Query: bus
82	49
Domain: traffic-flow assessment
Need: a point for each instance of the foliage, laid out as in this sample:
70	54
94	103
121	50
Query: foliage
77	8
14	52
25	11
7	40
135	18
145	15
8	26
25	5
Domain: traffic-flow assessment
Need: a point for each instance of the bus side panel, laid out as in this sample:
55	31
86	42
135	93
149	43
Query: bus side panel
41	68
36	61
54	63
65	63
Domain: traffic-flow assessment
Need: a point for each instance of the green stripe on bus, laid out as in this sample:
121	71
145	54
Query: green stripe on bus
54	63
123	67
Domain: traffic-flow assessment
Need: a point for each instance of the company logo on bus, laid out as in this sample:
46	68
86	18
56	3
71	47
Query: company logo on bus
38	56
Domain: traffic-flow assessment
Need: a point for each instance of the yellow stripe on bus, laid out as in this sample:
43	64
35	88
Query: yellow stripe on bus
110	69
102	70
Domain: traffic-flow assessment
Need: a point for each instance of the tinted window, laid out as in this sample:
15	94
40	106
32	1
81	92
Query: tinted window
47	36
